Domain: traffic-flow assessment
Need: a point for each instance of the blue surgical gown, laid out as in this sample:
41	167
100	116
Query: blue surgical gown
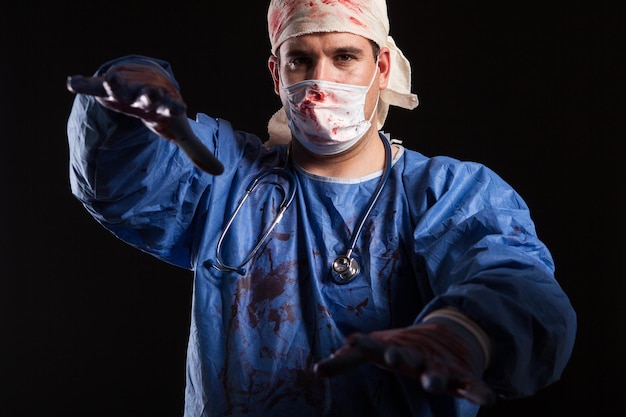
443	233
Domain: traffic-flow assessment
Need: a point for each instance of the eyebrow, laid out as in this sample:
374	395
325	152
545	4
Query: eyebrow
349	50
339	50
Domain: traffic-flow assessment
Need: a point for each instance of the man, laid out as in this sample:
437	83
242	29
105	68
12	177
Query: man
336	273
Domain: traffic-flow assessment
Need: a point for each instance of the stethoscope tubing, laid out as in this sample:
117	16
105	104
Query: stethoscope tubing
345	267
285	203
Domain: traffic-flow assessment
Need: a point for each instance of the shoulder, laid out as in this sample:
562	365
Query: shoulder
417	163
444	175
239	148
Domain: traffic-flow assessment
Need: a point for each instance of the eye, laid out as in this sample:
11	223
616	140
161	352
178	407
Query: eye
298	62
345	57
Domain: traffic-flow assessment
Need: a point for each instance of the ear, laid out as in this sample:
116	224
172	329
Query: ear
384	66
274	67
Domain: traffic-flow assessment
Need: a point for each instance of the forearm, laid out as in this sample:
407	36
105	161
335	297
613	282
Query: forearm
529	321
130	180
101	142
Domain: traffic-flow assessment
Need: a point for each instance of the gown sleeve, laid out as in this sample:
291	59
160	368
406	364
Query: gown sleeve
483	257
139	186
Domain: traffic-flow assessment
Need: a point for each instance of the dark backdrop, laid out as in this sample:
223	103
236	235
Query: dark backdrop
91	327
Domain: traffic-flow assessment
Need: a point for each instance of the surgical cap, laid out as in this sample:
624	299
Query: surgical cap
368	18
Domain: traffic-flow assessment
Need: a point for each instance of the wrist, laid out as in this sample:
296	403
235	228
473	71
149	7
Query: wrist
471	331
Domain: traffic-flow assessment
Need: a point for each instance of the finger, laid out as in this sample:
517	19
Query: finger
339	363
92	86
434	382
478	393
372	348
118	89
408	361
156	100
360	349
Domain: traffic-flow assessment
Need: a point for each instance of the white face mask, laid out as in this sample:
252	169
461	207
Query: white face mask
327	117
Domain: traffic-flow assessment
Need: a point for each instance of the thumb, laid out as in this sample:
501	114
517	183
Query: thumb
92	86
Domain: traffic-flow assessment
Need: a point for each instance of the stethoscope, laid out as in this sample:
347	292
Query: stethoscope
285	203
345	268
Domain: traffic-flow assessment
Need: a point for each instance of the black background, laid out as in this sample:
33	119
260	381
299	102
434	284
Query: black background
92	327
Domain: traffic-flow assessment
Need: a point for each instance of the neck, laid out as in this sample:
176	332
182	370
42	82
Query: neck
365	157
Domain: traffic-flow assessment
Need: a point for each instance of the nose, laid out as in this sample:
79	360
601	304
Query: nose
314	94
320	70
317	71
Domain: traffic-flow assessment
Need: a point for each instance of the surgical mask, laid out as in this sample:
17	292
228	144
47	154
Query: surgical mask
326	117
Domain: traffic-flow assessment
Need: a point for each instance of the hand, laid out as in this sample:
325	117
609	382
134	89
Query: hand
147	92
438	352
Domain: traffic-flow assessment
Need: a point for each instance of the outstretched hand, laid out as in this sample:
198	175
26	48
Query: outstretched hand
431	352
147	93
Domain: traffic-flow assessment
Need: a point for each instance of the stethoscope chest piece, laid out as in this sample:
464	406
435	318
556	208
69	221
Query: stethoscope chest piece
345	269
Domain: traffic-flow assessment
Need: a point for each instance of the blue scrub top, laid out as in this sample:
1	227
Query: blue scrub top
443	233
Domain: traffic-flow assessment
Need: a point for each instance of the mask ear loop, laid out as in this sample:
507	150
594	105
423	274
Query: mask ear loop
374	111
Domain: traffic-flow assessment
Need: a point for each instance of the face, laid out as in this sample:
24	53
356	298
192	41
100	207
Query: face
336	56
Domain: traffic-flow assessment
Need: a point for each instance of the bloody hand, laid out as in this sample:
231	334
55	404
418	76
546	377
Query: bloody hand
442	354
146	92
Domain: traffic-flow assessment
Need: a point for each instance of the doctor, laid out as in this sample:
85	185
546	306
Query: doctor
336	273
